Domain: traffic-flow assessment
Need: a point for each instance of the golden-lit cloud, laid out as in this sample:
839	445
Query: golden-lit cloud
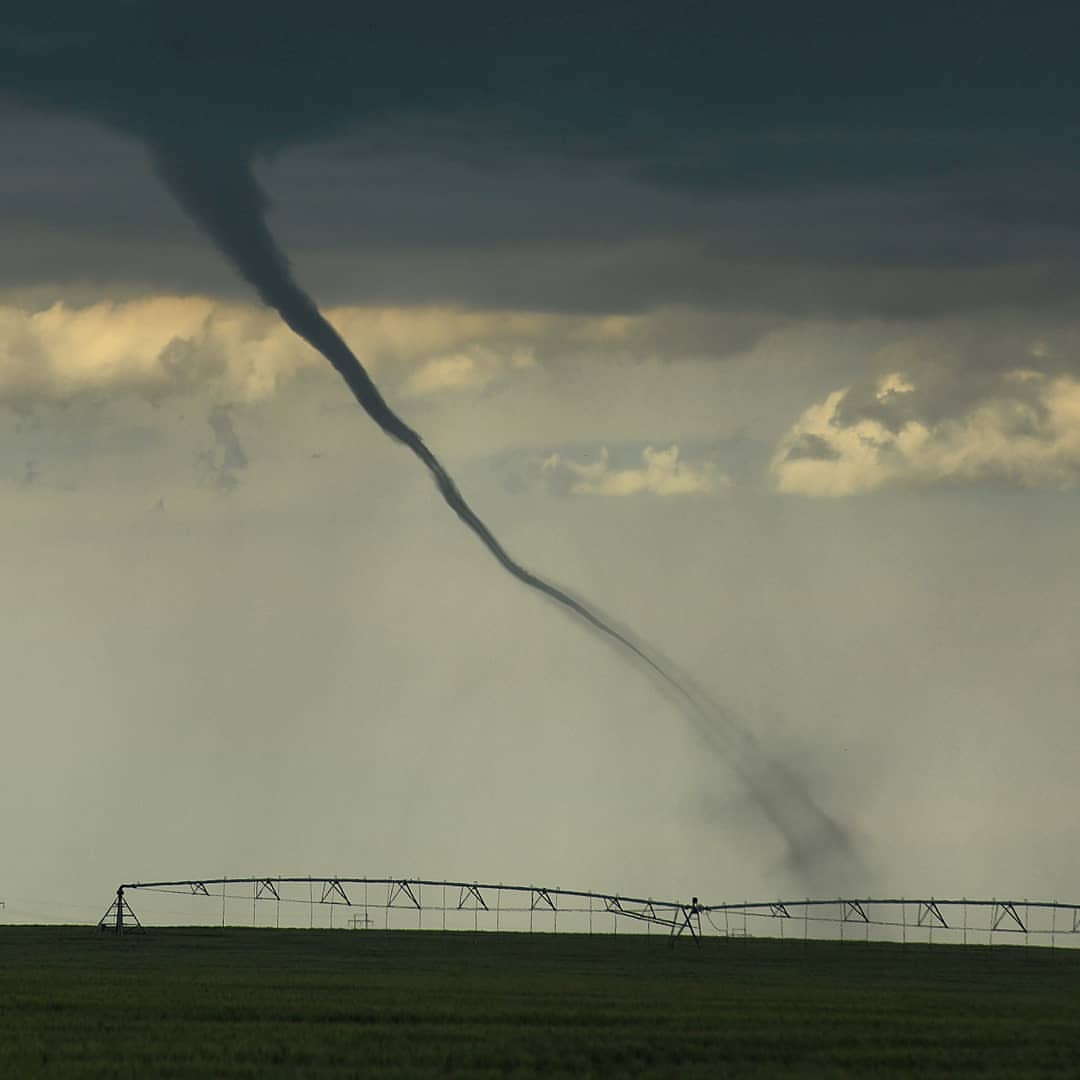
1025	431
661	472
473	368
242	352
152	346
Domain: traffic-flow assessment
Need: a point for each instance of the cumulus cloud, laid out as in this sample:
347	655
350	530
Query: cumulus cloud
1022	427
660	472
474	368
159	346
152	347
165	345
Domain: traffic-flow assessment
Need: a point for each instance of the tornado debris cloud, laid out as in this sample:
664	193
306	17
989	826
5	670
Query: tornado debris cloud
222	196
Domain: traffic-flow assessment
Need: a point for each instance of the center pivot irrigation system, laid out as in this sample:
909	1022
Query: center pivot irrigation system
419	904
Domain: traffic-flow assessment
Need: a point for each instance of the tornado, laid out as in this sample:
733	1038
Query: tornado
223	198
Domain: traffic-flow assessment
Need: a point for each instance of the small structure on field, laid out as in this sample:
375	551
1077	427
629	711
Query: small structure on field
422	904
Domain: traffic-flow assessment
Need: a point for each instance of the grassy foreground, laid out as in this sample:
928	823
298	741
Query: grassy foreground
277	1003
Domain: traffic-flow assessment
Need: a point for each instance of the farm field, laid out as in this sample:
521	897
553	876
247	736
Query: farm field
337	1003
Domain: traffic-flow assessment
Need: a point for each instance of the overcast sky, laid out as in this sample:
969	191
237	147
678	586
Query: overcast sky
757	330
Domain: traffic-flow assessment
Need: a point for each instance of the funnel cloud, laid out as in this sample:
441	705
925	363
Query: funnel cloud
223	197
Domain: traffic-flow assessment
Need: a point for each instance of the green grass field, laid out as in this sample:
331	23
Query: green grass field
293	1003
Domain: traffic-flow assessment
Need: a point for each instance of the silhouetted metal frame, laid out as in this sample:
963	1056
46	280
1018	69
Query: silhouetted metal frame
1003	917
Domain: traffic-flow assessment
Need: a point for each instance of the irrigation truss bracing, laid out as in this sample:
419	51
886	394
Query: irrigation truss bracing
418	903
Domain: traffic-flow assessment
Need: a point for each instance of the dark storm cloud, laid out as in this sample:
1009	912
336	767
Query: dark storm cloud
560	237
602	78
778	158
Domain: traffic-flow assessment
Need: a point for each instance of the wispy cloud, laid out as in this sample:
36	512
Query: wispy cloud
659	472
221	465
471	369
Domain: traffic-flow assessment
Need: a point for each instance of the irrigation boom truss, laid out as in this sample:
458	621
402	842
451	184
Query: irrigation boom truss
473	905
